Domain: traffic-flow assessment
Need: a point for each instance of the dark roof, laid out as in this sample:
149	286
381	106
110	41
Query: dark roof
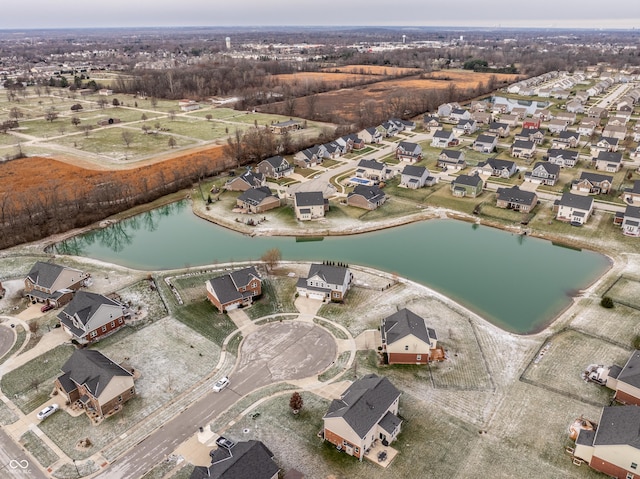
576	201
529	131
309	198
632	211
453	154
370	193
586	437
276	161
371	164
402	324
254	196
614	371
226	286
45	274
608	139
496	125
610	156
443	134
246	460
486	139
468	180
252	178
409	147
566	135
412	170
516	195
524	144
84	305
619	425
390	422
630	373
550	168
93	369
565	154
329	273
635	188
595	177
498	164
364	403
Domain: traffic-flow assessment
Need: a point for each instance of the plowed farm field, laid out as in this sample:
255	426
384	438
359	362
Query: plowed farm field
344	104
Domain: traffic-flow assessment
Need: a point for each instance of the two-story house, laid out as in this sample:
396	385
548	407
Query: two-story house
235	289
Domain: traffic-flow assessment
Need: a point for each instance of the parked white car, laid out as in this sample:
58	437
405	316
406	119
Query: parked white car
221	384
48	411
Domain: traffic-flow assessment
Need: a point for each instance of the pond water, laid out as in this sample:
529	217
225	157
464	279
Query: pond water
517	282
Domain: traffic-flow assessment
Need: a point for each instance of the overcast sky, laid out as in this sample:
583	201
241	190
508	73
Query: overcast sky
490	13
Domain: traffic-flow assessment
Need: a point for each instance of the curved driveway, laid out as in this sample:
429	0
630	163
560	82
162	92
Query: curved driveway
7	337
275	352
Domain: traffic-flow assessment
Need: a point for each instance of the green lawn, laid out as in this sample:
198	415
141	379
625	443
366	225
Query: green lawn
204	318
277	297
38	449
30	384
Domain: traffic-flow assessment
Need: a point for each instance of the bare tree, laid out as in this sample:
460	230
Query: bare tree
51	115
127	137
75	121
209	116
172	142
172	115
102	103
271	258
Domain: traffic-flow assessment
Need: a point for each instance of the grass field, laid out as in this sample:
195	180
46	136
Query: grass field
38	449
277	297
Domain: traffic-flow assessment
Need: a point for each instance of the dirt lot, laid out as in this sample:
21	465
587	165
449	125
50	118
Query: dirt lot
345	104
20	177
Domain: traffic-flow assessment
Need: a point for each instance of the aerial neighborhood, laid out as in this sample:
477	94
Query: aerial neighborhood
270	365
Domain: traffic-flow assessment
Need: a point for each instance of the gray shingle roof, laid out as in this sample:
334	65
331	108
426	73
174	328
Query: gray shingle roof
371	164
364	403
403	323
516	195
468	180
576	201
309	198
226	286
84	306
93	369
246	460
609	156
255	196
276	161
632	212
45	274
619	425
524	144
415	171
565	154
370	193
550	168
453	154
330	274
485	139
630	373
595	177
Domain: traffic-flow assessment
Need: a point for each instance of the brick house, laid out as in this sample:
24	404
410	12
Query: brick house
96	383
235	289
516	199
53	284
367	411
90	317
367	197
257	200
407	339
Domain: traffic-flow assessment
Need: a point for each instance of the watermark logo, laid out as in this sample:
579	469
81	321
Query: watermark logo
15	464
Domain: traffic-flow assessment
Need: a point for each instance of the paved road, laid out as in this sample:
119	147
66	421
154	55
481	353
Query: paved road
275	352
7	337
16	463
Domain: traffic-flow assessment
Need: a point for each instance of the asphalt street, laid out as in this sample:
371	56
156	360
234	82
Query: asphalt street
275	352
15	463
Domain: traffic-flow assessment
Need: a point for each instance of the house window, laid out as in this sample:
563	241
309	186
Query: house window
93	334
253	285
104	329
630	475
406	348
120	321
634	465
357	450
119	398
418	357
132	391
113	324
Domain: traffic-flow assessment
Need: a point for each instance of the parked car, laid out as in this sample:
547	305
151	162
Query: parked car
224	442
221	384
46	307
48	411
